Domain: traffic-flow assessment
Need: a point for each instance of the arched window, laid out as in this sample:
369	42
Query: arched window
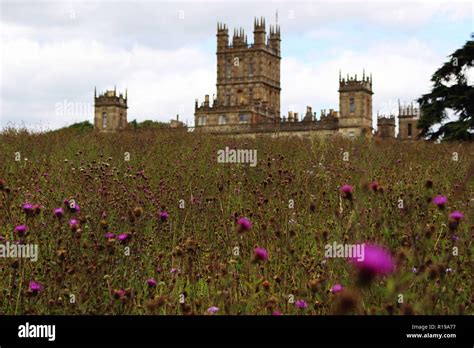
104	120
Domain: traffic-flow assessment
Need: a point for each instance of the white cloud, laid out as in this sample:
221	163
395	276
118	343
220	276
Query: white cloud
400	70
54	53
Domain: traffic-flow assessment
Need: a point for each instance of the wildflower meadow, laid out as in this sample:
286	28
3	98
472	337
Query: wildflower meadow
151	223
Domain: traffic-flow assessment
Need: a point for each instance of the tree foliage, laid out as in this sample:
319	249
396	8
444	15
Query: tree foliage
451	90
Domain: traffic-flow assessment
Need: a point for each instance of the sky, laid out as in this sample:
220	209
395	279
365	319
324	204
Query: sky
54	53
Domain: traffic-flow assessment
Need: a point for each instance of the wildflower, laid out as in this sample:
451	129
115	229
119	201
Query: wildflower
266	284
138	211
346	190
36	209
301	304
336	288
58	212
454	218
456	215
260	254
35	287
74	208
109	235
164	216
440	201
213	309
174	270
118	293
244	224
346	302
376	260
73	225
277	313
151	282
123	237
21	230
28	208
374	186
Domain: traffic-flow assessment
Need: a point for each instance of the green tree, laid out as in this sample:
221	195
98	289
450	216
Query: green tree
450	91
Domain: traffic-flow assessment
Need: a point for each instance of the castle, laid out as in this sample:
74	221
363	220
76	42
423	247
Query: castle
110	111
248	79
248	97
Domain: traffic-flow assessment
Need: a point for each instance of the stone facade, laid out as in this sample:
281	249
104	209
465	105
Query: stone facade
355	105
110	111
408	117
386	127
248	79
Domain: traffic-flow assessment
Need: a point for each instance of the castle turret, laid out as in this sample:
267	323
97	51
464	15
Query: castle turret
248	79
386	126
222	36
408	116
259	32
274	40
110	111
355	105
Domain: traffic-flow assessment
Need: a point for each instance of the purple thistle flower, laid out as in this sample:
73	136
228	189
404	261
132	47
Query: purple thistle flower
376	260
337	288
35	287
58	212
28	208
73	224
456	215
346	190
244	224
109	235
164	216
151	282
213	309
260	254
123	237
440	201
301	304
174	270
21	230
74	208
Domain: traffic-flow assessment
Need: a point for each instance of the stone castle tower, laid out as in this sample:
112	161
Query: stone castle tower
408	117
355	105
386	126
248	78
110	111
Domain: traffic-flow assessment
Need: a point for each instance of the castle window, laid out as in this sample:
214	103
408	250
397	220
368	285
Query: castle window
202	120
228	69
409	130
250	69
352	106
243	118
222	119
104	120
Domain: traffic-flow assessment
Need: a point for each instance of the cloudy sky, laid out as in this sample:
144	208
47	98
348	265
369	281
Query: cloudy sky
54	53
